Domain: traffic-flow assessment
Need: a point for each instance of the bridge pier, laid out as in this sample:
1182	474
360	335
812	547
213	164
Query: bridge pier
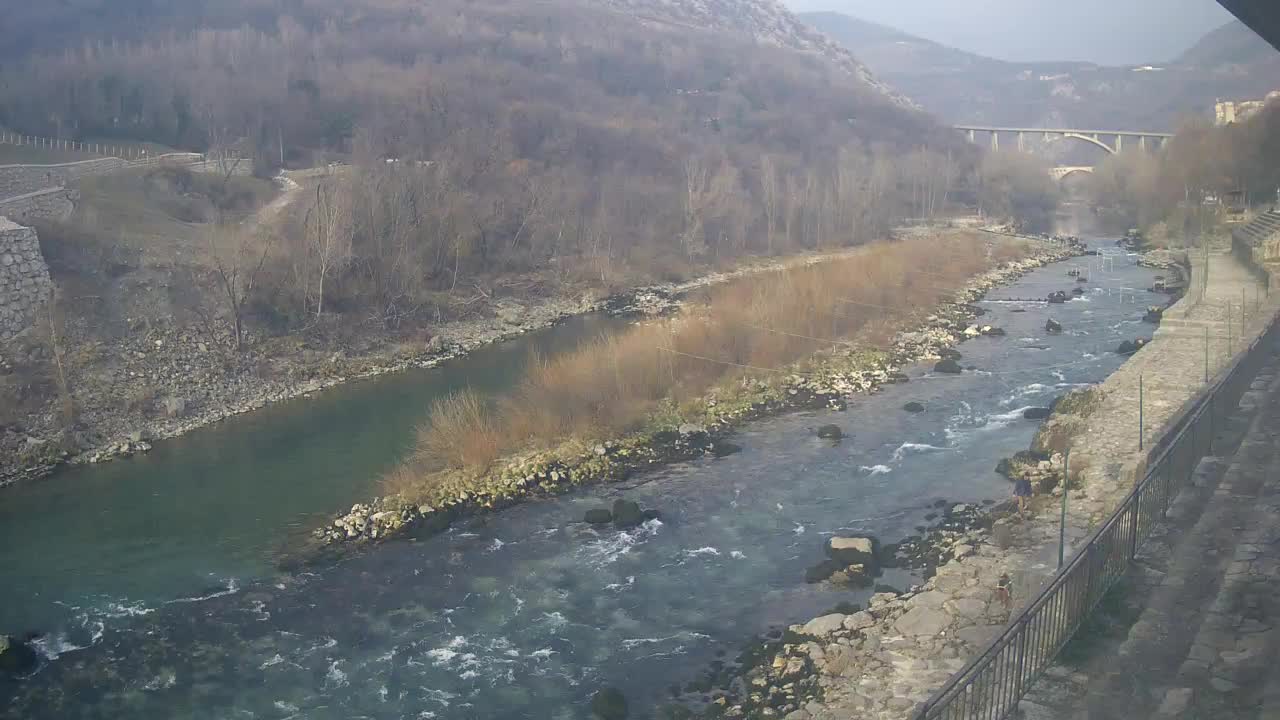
1022	145
971	138
1119	143
995	141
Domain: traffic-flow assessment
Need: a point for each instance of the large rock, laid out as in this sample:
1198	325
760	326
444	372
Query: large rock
1021	461
598	516
913	407
859	620
16	657
175	407
609	704
1036	413
822	571
627	514
830	432
823	626
1052	326
948	366
864	551
1057	297
922	621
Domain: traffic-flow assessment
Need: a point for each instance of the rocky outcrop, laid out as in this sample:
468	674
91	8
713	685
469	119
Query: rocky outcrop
24	278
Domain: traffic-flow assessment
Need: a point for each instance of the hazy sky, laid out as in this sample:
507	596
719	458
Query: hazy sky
1115	32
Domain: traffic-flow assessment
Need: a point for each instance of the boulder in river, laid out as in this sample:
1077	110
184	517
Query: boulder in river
913	407
1077	291
627	514
1082	279
1057	297
597	516
1129	347
864	551
1053	327
16	656
993	331
1036	413
1153	315
822	571
949	366
830	432
949	354
609	704
724	448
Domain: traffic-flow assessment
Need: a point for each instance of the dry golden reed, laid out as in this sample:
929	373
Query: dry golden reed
757	324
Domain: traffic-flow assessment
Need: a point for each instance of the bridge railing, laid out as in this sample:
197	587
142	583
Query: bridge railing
990	686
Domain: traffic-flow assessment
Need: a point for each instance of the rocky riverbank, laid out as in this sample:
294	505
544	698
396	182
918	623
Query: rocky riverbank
163	380
823	381
880	662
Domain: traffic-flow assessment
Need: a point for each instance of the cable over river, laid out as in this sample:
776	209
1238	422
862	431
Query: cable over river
524	613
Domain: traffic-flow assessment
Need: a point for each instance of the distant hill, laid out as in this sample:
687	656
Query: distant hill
1233	44
1230	62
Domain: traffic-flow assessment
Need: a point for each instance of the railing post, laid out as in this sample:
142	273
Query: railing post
1062	520
1137	515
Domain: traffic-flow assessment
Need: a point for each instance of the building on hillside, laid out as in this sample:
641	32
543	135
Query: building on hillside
1227	112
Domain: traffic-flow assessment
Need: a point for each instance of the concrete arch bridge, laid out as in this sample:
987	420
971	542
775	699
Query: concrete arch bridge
1093	137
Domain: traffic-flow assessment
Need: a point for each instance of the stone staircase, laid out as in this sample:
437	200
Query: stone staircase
1191	631
1260	229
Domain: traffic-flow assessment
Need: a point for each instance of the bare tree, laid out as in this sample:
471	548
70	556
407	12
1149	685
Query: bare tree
771	192
238	259
329	227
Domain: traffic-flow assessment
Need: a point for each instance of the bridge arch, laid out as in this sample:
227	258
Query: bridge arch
1060	173
1110	150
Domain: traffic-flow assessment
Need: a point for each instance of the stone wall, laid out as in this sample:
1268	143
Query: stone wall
24	278
23	179
49	204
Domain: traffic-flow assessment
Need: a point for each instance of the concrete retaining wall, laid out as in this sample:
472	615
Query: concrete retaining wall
24	278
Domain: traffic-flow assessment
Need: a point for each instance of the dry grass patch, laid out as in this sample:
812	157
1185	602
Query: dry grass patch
754	326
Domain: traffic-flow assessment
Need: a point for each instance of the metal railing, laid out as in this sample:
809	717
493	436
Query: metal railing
990	686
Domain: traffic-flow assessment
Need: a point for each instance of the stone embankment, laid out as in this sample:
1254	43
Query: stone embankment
24	278
171	379
841	373
881	662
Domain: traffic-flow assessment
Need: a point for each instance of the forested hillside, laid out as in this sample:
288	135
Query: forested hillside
599	142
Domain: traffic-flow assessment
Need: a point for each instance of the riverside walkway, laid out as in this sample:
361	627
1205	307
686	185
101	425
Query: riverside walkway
917	641
1190	632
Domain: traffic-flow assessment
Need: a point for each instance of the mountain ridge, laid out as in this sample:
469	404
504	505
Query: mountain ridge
1229	62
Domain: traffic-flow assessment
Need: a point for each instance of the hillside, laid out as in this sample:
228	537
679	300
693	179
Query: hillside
1232	46
961	87
474	160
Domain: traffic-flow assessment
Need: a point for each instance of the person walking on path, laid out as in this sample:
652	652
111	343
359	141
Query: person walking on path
1022	491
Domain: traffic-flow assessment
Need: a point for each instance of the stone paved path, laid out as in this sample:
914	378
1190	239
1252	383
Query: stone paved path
880	662
1191	633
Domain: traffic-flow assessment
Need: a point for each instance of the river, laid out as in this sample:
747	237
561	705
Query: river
523	613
